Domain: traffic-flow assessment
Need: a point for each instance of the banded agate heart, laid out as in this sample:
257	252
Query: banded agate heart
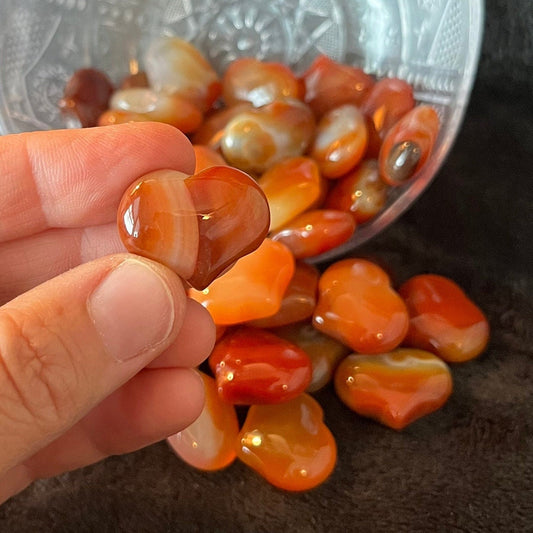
196	225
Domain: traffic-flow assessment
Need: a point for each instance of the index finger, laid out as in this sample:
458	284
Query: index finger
75	178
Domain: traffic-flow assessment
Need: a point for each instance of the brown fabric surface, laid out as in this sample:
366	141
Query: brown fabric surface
467	467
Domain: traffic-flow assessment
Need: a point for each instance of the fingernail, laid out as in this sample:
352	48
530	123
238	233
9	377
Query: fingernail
132	310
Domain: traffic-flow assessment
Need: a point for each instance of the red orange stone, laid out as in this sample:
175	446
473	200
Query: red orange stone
253	288
254	366
358	306
443	319
316	232
196	225
288	444
206	157
209	442
259	82
394	388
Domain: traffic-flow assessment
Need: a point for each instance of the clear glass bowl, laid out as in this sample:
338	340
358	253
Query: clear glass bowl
432	44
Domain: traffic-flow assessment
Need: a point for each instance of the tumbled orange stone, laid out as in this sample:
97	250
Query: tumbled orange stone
324	352
209	442
196	225
316	232
341	141
408	145
206	157
394	388
386	102
257	139
358	306
291	187
259	82
329	84
443	319
361	192
254	366
288	444
299	300
253	288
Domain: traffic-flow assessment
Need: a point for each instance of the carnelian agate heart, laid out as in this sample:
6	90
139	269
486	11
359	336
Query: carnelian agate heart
288	444
196	225
209	442
358	306
253	366
394	388
443	319
253	288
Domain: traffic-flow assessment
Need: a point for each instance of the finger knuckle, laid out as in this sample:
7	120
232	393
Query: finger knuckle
37	375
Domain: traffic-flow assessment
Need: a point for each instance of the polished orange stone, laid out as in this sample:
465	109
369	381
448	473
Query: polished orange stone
175	66
196	225
288	444
408	144
329	84
324	351
259	82
443	319
206	157
253	288
341	141
394	388
299	300
316	232
257	139
361	192
135	79
214	125
209	442
386	102
358	306
140	104
291	187
253	366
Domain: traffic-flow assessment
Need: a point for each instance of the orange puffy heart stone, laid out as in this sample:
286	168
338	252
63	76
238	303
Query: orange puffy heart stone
196	225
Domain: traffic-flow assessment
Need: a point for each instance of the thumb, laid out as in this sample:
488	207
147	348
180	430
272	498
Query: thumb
67	344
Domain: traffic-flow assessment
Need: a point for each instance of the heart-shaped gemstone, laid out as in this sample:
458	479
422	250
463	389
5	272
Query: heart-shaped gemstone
197	225
288	444
254	366
394	388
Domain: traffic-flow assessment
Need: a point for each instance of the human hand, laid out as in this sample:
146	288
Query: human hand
94	360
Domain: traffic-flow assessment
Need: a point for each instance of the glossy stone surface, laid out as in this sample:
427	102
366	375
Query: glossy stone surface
257	139
299	300
140	104
358	306
394	388
315	232
259	82
361	192
253	288
329	84
288	444
324	351
341	141
206	157
175	66
86	96
209	442
443	319
386	102
408	144
253	366
291	187
196	225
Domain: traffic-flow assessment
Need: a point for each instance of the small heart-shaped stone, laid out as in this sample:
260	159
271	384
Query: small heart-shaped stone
288	444
394	388
197	225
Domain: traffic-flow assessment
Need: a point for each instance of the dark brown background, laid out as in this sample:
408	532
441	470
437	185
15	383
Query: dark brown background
468	467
